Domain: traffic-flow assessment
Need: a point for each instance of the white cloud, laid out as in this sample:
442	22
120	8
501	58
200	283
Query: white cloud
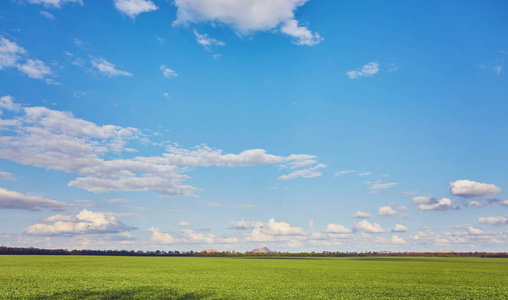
430	203
474	204
85	222
206	41
6	176
165	95
381	186
365	174
107	68
338	173
469	189
187	236
117	201
57	140
387	211
361	214
498	69
14	200
397	240
366	71
167	72
303	36
273	231
244	225
8	103
365	226
36	69
12	55
54	3
334	228
132	8
305	173
248	16
184	223
47	15
402	208
505	203
494	220
399	228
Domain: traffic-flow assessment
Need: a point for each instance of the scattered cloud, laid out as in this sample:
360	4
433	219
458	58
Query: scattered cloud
47	15
106	68
387	211
14	200
6	176
186	236
117	201
14	56
243	225
397	240
366	71
54	3
206	41
430	203
85	222
338	173
498	69
399	228
166	95
246	17
402	208
505	203
7	102
361	214
132	8
184	223
365	174
334	228
501	220
474	204
167	72
365	226
470	189
214	204
304	173
381	186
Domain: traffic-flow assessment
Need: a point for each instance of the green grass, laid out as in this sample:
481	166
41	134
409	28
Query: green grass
92	277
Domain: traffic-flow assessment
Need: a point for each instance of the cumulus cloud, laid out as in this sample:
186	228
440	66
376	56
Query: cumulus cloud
248	16
334	228
85	222
7	102
132	8
366	71
305	173
501	220
242	225
187	236
505	203
14	200
365	226
474	204
14	56
399	228
167	72
387	211
361	214
430	203
397	240
57	140
54	3
106	68
470	189
206	41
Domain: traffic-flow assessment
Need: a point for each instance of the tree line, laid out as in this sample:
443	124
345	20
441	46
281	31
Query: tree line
37	251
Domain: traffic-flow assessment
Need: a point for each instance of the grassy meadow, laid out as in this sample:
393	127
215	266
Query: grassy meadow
103	277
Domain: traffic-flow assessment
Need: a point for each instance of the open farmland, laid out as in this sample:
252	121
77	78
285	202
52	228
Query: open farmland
97	277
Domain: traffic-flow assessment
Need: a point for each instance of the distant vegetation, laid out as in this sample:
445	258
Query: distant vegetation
255	277
37	251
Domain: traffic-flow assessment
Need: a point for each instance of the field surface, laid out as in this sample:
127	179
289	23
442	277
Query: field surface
101	277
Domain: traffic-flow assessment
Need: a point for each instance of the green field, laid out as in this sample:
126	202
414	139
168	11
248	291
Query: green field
102	277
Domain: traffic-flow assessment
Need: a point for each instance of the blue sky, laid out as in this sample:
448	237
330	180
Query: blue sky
297	125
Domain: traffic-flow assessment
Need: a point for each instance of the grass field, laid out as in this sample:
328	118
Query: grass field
102	277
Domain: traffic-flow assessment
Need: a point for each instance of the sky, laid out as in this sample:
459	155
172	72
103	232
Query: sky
300	125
